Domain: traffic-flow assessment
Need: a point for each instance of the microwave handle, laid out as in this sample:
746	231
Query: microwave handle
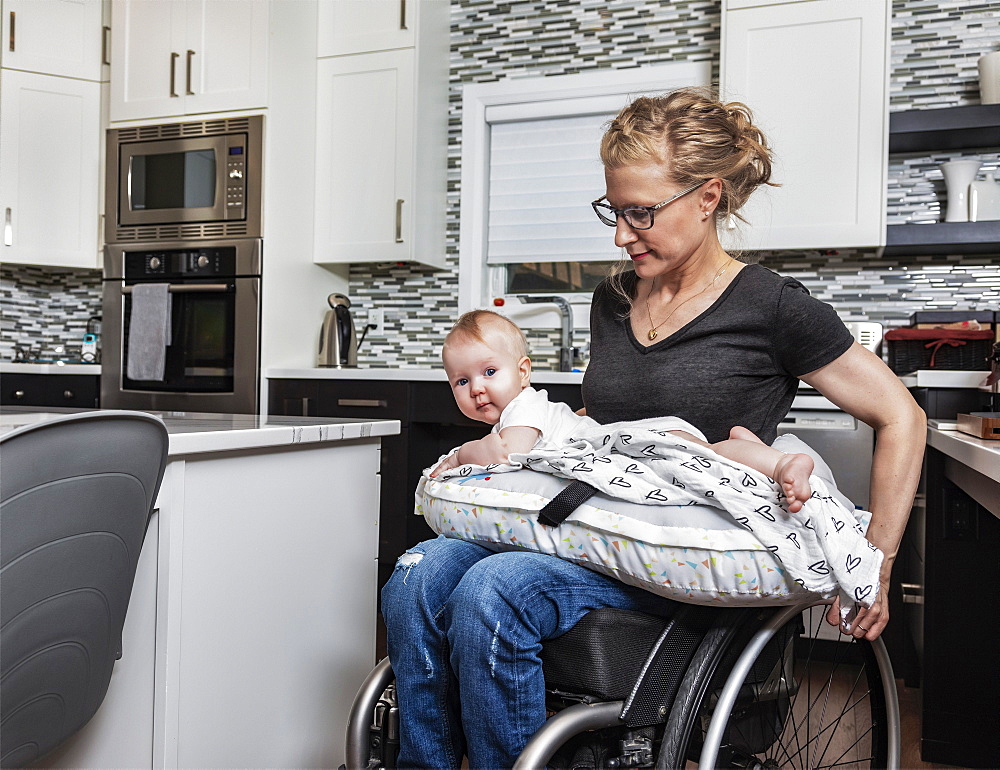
190	288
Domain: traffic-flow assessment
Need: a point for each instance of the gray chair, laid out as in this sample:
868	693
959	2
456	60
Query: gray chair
75	498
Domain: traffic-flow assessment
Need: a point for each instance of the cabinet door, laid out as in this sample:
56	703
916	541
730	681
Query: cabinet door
147	72
364	26
364	157
224	56
53	37
815	75
187	57
50	136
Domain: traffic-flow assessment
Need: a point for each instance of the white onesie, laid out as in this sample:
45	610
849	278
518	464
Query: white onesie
558	423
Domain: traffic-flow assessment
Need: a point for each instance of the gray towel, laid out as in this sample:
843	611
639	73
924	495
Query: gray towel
149	331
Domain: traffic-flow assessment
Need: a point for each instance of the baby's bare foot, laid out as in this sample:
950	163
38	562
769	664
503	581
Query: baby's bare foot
792	472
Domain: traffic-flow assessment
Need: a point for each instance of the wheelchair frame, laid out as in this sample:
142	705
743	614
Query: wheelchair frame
582	717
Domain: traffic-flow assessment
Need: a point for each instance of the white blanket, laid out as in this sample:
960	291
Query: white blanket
636	461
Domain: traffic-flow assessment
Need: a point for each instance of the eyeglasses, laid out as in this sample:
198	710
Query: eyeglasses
638	217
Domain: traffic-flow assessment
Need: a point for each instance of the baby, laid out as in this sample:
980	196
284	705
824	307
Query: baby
486	359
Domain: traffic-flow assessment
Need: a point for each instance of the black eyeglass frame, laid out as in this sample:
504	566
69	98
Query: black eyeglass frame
597	205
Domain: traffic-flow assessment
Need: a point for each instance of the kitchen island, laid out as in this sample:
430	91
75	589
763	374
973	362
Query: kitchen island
252	618
961	675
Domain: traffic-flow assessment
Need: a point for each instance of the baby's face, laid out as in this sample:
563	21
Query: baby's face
484	377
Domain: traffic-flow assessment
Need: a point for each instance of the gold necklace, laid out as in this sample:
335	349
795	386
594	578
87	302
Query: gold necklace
652	329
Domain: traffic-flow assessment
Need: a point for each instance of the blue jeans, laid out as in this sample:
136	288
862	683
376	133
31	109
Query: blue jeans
465	628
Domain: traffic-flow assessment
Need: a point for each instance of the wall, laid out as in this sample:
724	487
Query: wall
935	45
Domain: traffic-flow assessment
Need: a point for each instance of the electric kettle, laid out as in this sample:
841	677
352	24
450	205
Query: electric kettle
338	344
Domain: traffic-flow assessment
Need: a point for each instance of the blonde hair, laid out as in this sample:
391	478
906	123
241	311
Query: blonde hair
477	323
696	137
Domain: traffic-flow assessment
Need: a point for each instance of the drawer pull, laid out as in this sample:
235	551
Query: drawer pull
377	403
913	593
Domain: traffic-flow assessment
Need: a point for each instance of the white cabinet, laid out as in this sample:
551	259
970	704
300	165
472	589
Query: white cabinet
185	57
363	26
55	37
50	169
382	146
815	74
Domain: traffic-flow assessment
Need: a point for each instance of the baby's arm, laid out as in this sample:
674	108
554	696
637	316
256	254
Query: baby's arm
492	449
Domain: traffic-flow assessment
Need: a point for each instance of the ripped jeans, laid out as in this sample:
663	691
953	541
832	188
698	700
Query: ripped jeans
465	629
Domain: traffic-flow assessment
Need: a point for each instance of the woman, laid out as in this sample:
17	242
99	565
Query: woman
690	332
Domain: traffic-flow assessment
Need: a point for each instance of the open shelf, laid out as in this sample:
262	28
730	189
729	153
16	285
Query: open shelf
943	238
948	128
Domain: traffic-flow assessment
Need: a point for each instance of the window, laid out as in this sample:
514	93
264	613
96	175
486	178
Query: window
530	168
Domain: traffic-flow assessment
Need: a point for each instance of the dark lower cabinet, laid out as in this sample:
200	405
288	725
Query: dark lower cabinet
68	390
961	672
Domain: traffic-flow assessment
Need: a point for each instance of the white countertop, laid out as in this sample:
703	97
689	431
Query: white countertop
979	454
16	367
198	432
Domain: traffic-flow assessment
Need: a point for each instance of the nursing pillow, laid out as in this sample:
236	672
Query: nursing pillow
693	553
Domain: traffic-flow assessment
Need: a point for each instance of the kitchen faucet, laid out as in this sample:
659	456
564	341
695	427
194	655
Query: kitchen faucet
567	353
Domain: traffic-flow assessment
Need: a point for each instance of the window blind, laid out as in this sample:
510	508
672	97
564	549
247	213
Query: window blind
543	175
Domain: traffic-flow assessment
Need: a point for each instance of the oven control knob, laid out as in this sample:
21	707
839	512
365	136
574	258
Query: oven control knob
154	263
235	174
202	261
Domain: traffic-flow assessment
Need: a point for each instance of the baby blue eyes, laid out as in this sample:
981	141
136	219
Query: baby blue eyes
463	381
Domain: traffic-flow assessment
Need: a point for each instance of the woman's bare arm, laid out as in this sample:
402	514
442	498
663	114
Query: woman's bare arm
864	387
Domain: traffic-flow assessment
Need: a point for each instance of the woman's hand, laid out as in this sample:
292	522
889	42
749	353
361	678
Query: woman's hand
870	622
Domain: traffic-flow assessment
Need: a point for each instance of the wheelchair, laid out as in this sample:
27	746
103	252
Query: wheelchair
708	687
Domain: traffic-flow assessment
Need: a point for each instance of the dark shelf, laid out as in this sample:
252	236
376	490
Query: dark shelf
948	128
943	238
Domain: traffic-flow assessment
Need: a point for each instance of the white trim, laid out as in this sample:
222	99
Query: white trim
523	99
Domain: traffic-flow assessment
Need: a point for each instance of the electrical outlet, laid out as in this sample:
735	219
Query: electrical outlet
376	321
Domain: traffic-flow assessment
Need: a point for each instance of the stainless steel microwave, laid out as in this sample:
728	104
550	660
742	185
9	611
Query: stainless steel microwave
185	181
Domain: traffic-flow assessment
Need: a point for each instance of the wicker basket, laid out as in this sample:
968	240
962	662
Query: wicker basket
913	349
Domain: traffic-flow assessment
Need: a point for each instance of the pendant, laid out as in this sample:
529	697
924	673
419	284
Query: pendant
652	334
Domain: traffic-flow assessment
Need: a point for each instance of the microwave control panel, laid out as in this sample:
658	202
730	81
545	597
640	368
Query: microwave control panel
236	166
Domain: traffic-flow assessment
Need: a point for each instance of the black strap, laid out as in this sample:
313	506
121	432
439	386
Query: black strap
562	505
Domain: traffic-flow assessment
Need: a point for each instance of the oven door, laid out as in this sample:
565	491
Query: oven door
213	357
179	180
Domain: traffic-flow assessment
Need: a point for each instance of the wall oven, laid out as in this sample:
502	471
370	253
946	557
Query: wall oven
180	181
208	360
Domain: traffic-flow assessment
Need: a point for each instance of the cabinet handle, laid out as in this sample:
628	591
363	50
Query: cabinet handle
105	33
173	69
190	53
13	18
402	14
18	394
8	229
67	394
377	403
913	593
399	220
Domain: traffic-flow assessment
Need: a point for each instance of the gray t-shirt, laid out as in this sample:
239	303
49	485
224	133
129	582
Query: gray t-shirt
735	364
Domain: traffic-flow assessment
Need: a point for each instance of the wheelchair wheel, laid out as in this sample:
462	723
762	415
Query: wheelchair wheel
771	692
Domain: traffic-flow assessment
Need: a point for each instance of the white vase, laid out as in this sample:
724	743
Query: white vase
958	175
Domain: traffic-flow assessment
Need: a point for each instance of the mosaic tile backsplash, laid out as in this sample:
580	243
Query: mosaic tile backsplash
935	48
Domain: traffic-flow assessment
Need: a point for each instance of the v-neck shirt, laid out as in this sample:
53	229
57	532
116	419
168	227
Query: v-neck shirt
736	363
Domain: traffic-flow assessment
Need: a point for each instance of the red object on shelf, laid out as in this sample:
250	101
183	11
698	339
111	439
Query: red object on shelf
498	301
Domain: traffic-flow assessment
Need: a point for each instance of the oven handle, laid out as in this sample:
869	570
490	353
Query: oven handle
190	288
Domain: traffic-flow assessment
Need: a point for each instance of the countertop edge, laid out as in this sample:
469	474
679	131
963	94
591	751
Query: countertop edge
11	367
277	436
979	454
